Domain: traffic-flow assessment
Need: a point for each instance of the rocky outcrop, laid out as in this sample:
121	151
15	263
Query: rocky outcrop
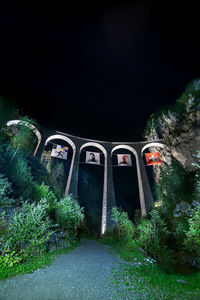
179	126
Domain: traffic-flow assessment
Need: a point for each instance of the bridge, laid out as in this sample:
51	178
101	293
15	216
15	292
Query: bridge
45	136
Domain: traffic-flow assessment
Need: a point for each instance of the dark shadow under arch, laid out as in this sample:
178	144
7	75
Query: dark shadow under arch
126	184
90	189
58	165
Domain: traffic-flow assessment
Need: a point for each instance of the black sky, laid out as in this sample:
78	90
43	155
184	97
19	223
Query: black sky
98	70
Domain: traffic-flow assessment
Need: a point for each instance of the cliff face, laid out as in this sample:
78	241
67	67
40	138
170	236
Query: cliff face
179	126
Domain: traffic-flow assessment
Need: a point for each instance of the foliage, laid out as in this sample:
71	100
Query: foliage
174	186
122	224
56	171
19	173
29	229
38	171
182	227
58	175
152	237
5	190
192	240
142	277
3	223
69	215
9	258
22	137
24	266
42	191
197	177
7	110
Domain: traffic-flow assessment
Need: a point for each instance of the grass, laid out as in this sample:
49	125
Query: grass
147	280
34	263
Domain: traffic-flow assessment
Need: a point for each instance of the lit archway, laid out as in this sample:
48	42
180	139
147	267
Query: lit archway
104	204
152	171
32	127
140	186
153	144
71	143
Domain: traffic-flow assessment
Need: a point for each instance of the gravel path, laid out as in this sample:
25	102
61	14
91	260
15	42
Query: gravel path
82	274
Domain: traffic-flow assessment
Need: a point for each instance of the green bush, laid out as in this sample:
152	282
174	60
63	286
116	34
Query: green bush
69	215
5	190
153	236
38	171
197	177
43	191
192	240
9	258
3	224
181	228
122	224
29	229
175	185
19	174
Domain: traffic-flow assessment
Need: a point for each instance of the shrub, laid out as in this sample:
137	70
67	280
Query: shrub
122	224
181	228
175	186
42	191
19	173
3	224
152	237
29	229
5	190
197	176
9	258
192	240
69	215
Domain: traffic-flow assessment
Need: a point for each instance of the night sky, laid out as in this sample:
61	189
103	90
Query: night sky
98	70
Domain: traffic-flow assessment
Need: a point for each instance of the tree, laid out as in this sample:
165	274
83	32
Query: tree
175	185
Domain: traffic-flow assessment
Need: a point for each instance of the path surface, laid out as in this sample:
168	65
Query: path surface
82	274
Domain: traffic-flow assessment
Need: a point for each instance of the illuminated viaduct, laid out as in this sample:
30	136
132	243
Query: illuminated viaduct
45	135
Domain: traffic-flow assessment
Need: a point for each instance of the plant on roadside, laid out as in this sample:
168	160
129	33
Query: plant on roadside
152	237
122	224
192	239
5	190
69	215
19	174
43	191
29	229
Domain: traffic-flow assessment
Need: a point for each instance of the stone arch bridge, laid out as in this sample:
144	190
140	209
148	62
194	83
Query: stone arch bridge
45	135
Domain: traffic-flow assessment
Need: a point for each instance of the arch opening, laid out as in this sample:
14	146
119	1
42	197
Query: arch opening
59	168
32	127
152	171
92	182
125	180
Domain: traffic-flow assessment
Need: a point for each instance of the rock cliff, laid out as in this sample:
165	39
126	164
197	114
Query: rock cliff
179	127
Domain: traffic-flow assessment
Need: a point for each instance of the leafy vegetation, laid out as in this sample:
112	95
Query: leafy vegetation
5	190
122	225
30	205
69	215
164	246
33	262
141	276
157	245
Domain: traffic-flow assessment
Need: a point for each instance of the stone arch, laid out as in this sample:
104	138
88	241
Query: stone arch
140	186
152	174
104	205
68	140
153	144
29	125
